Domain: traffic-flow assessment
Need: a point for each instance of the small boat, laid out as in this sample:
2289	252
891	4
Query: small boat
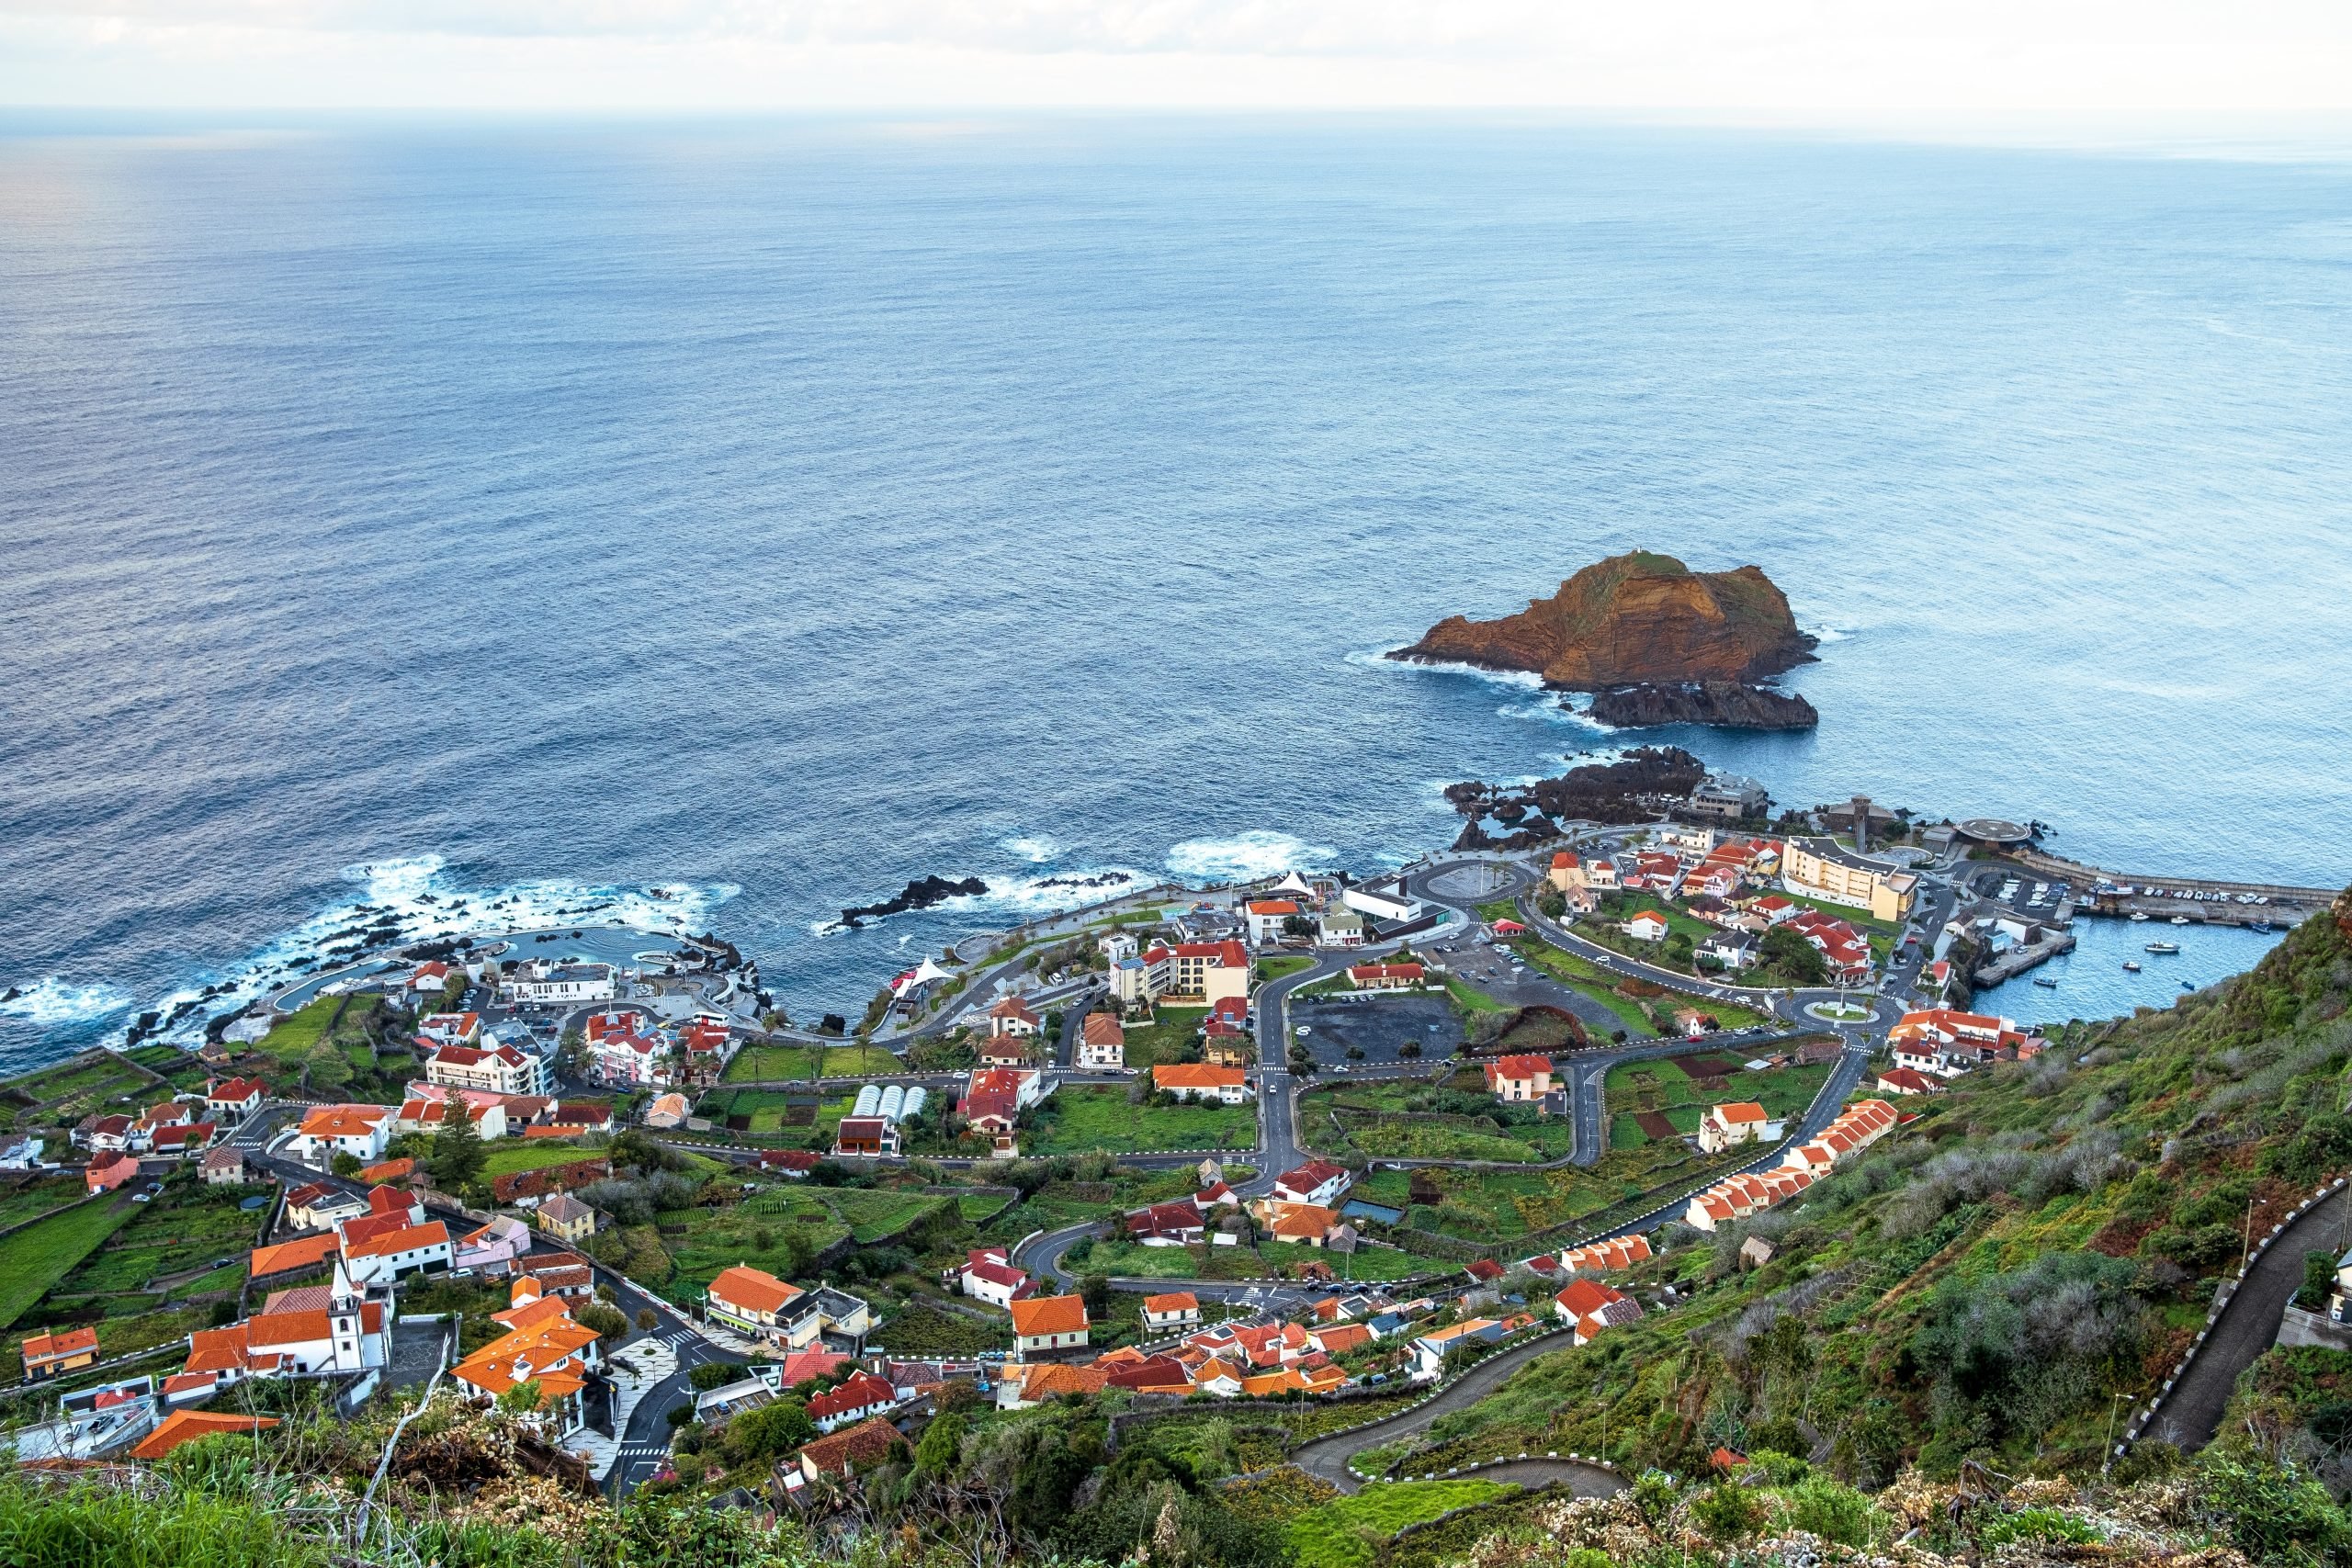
2140	914
2180	920
2046	985
2163	947
2131	965
2262	926
2188	984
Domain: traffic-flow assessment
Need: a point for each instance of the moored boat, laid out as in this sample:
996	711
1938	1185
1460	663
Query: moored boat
2133	964
2163	947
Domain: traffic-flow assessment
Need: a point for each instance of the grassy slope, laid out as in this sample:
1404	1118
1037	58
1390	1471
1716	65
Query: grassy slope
2147	1152
39	1256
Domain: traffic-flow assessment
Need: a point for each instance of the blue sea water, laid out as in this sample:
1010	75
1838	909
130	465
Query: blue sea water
737	520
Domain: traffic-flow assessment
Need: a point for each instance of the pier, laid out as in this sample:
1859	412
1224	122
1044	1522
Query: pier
2162	897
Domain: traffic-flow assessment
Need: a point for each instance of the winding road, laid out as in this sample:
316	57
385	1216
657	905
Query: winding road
1328	1457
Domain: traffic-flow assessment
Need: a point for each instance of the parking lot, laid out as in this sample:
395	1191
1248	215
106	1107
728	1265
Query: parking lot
2034	897
1377	1026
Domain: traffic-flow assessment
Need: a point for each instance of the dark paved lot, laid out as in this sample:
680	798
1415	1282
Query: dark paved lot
1377	1028
416	1353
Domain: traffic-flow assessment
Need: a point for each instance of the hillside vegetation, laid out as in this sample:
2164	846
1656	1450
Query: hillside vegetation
2042	1238
1923	1374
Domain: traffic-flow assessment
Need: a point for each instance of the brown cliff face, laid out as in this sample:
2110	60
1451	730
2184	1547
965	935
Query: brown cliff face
1632	619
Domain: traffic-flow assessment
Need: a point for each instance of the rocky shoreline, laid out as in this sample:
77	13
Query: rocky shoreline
1633	788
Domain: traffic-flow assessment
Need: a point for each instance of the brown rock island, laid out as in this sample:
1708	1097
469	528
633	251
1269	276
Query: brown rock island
1658	642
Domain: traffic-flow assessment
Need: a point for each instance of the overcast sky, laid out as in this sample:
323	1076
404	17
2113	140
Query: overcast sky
1861	62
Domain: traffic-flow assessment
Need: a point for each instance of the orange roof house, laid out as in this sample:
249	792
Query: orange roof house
1045	1322
187	1426
303	1252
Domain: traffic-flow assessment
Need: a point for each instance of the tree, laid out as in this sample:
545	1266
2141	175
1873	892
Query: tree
345	1164
799	1252
942	1440
1094	1289
455	991
523	1397
610	1324
647	1319
458	1155
1792	958
768	1431
1297	925
571	1053
712	1374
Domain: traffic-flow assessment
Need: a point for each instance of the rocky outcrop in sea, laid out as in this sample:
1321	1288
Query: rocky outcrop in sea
919	894
1725	705
1633	619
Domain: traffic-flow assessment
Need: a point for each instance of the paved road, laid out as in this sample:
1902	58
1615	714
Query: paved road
2246	1327
1328	1457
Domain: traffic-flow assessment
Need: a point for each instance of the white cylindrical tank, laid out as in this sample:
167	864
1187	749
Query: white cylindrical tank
892	1104
912	1108
868	1097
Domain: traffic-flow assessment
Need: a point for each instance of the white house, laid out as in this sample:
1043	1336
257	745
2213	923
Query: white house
1318	1181
413	1250
538	984
1048	1323
1382	901
1103	1043
989	1276
1166	1315
1647	926
360	1131
1734	1123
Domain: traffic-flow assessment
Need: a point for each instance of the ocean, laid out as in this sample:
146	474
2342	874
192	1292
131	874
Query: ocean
716	525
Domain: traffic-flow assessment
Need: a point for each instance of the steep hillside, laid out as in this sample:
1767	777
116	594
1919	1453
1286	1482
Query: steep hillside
2043	1238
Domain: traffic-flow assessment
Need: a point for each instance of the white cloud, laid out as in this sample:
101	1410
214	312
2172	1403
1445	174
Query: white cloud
1838	61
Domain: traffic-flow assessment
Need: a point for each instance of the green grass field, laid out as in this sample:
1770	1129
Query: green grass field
1289	963
773	1064
1469	999
40	1256
1349	1532
1169	1037
1078	1118
509	1156
33	1199
753	1231
1133	1260
860	1062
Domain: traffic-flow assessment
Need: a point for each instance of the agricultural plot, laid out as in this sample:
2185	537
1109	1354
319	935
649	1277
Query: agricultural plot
39	1256
1680	1088
1406	1119
1078	1119
1133	1260
30	1200
780	1228
1495	1208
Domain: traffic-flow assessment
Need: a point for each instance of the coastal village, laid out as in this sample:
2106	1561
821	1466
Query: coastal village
1309	1139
